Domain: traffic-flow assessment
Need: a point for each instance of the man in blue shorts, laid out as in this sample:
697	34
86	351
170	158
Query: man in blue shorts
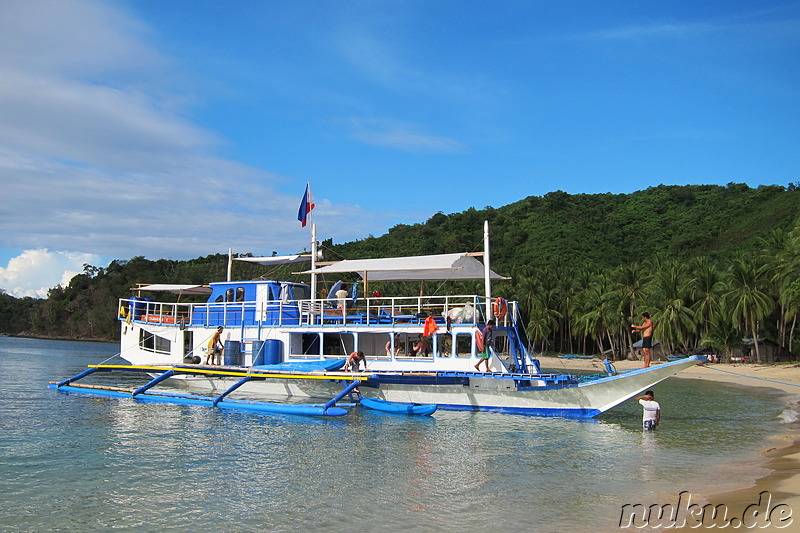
647	337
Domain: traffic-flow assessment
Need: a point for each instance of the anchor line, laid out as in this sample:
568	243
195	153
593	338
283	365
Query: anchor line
751	377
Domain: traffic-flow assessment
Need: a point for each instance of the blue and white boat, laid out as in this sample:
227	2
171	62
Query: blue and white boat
283	341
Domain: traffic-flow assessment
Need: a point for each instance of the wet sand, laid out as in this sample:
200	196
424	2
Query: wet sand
781	457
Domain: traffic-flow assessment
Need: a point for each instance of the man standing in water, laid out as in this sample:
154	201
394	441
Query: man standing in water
647	336
652	411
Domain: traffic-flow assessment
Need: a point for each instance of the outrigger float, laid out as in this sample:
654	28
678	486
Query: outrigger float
281	340
349	382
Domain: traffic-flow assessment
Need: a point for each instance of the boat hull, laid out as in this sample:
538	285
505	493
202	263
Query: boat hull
479	393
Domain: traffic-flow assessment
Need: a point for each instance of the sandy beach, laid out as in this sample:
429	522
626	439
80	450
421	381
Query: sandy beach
782	457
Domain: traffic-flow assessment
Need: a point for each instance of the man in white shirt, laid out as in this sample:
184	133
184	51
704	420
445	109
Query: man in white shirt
652	411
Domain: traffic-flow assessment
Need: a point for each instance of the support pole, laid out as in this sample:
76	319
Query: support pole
347	390
486	271
313	263
231	389
155	381
76	377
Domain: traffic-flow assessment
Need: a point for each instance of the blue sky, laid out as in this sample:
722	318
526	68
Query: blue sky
184	128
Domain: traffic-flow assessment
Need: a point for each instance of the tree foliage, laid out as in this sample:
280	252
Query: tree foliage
710	263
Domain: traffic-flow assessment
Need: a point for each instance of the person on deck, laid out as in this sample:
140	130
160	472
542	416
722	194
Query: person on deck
488	343
341	299
651	415
397	346
422	346
647	337
215	348
353	361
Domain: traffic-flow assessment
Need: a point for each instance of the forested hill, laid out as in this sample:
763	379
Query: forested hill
593	232
603	230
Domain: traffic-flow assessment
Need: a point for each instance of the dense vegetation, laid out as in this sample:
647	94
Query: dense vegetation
711	264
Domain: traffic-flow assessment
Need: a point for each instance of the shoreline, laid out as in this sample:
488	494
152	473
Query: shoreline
781	457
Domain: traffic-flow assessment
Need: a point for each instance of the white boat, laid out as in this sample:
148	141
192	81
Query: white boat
282	340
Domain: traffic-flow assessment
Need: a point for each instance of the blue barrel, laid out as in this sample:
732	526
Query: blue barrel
233	353
273	351
258	353
138	307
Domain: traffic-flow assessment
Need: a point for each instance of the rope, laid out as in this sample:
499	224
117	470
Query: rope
751	377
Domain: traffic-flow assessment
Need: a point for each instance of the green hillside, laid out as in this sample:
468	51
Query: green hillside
603	230
712	264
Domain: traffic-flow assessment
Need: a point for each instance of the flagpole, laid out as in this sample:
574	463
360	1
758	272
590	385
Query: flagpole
313	262
313	229
486	271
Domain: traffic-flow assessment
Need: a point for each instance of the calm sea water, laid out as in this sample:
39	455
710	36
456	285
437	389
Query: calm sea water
72	462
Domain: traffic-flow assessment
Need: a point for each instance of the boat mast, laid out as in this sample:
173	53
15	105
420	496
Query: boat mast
313	261
230	263
486	270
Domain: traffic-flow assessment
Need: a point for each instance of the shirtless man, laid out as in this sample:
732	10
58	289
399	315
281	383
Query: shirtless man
353	360
397	346
647	336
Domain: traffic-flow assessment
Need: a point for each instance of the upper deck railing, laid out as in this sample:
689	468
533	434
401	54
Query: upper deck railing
463	309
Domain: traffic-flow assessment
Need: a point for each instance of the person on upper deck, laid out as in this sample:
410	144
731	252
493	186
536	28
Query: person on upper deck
341	299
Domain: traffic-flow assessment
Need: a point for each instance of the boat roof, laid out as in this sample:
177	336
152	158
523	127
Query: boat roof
175	288
275	259
455	267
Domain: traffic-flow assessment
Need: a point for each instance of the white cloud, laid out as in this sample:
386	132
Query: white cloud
400	135
34	272
98	150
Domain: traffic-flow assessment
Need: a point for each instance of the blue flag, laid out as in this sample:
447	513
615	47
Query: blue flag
305	206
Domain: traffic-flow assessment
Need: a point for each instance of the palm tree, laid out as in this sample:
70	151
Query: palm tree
675	319
749	296
720	335
631	279
705	287
543	318
601	317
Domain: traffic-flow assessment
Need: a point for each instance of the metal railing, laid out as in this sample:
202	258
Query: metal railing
459	309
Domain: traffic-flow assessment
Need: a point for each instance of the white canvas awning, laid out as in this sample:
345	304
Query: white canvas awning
275	260
176	289
452	267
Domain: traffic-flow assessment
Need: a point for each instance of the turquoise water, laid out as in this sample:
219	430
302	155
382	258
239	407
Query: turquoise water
75	462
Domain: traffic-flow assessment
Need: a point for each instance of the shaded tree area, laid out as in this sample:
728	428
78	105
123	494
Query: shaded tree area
711	264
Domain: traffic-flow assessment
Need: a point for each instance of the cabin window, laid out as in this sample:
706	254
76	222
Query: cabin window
464	345
444	345
239	294
229	295
341	344
153	343
301	292
274	292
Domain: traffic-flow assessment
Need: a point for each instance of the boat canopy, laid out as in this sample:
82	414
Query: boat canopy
176	289
453	267
275	260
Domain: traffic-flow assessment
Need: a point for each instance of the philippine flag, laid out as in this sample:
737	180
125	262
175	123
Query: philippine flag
305	206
